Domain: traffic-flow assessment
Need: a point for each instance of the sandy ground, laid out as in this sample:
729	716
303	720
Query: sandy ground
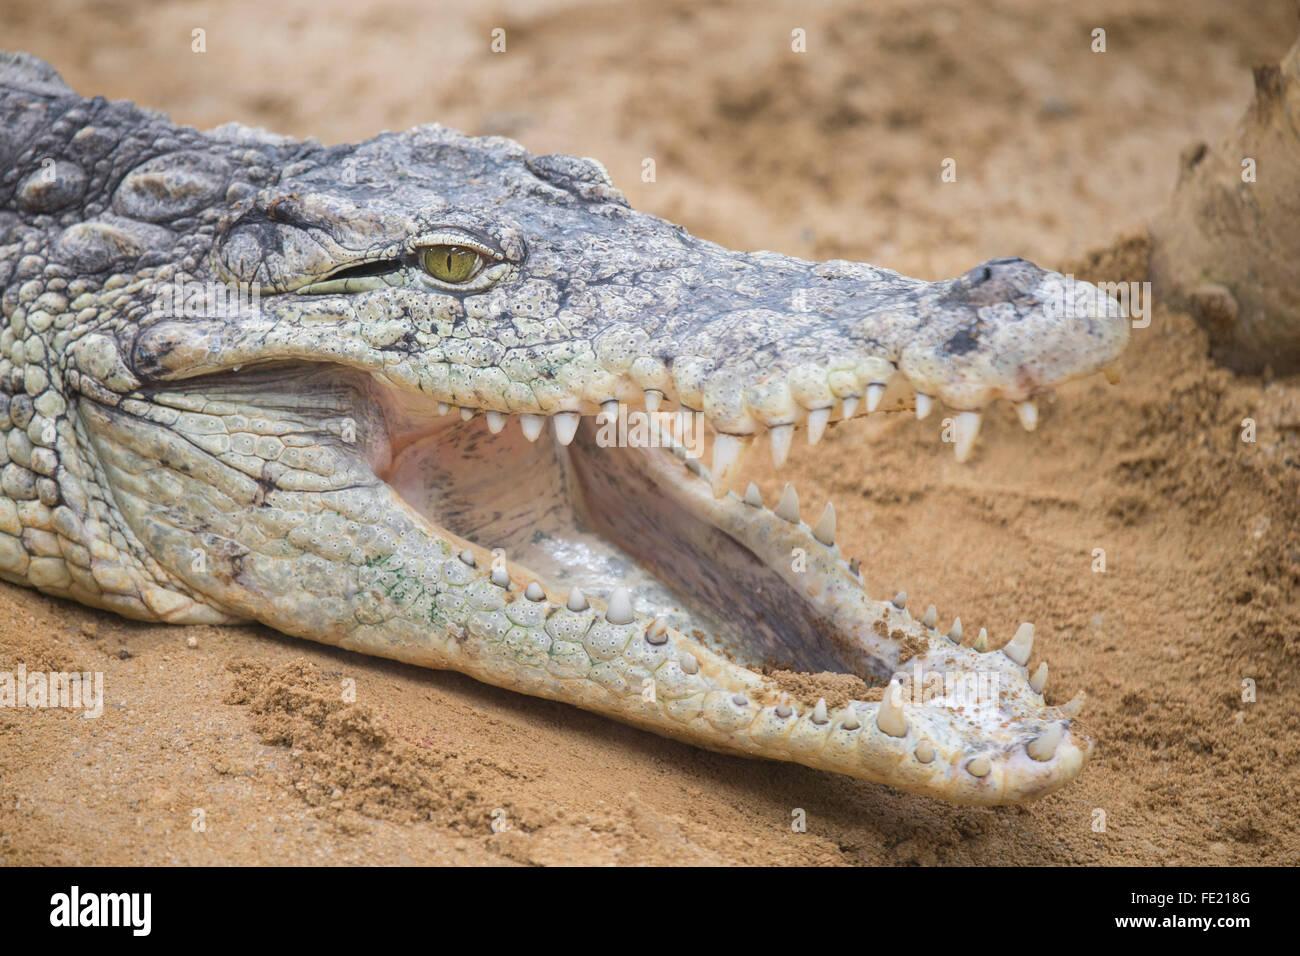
832	153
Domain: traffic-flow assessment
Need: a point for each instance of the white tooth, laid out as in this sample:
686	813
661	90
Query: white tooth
466	413
1074	707
752	496
657	632
850	721
566	426
467	556
900	600
874	394
979	767
577	600
501	578
923	405
931	617
819	713
825	528
788	508
850	407
443	408
817	420
728	452
609	411
982	642
967	426
925	751
496	421
1044	747
1039	680
784	711
689	664
652	400
954	635
534	591
620	607
889	717
1019	647
532	426
780	437
740	700
1028	412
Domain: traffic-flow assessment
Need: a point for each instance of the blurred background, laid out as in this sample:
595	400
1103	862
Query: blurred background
834	152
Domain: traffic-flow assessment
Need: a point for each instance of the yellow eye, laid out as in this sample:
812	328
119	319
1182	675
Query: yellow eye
452	264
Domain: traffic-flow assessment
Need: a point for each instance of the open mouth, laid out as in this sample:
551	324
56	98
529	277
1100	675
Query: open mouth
618	504
608	513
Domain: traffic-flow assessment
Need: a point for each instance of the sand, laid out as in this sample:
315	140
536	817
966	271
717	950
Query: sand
239	745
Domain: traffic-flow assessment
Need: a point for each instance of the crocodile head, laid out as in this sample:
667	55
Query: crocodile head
434	398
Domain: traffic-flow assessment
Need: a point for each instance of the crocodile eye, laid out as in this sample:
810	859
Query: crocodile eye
451	264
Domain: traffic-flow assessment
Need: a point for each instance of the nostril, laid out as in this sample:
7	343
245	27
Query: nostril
1005	262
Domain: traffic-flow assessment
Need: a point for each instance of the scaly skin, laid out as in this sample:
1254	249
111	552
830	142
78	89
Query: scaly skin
285	457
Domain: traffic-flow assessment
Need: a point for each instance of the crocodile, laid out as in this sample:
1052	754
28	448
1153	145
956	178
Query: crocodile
375	396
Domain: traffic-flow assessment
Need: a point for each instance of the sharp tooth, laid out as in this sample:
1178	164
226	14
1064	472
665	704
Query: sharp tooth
443	408
752	496
784	711
620	607
1074	707
982	642
979	767
900	600
874	395
1044	747
817	420
824	531
534	591
850	721
850	407
728	453
855	568
466	413
1020	646
577	600
1028	412
467	556
1114	373
925	751
923	405
780	438
889	717
609	410
788	508
532	426
688	663
566	426
496	421
657	632
740	700
954	635
1039	680
501	578
931	617
652	400
819	713
967	426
